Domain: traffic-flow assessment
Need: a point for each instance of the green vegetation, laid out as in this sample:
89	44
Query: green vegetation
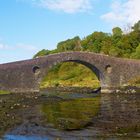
135	82
72	114
71	75
117	44
4	92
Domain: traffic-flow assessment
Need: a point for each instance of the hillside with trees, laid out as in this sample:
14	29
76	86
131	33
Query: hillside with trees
116	44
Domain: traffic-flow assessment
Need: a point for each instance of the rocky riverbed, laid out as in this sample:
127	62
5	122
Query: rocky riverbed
63	115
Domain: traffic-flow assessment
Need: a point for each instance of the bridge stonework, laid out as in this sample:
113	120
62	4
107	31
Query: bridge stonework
25	76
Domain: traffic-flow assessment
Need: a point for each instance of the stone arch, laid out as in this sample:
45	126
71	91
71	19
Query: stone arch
26	75
92	67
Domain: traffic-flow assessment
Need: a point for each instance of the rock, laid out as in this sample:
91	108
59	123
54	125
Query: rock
133	91
11	107
118	91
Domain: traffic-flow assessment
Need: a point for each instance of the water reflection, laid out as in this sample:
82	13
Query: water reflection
73	114
120	112
18	137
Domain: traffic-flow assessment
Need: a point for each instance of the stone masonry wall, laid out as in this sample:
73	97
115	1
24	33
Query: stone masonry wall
25	76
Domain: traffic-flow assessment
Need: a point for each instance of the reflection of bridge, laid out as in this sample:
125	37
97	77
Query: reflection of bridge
26	75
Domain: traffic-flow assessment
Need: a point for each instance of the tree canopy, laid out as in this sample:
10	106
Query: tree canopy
116	44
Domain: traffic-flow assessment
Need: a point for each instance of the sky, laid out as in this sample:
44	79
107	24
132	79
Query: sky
28	26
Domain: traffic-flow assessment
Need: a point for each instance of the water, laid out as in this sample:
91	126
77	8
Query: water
71	116
18	137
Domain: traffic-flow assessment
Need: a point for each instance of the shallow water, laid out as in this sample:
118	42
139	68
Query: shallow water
72	115
76	116
16	137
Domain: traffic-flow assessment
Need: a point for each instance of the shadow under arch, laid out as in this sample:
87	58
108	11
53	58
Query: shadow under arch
93	68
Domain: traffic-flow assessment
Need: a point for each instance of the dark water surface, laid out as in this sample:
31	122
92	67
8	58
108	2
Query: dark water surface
70	116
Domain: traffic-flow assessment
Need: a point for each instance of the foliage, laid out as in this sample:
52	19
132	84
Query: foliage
117	32
136	26
42	53
4	92
69	45
136	55
62	75
114	51
94	42
117	44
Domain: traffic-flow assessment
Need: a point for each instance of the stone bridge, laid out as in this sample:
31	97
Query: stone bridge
25	76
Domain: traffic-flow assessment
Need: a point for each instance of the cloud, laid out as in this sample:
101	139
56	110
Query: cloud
26	47
20	51
19	47
3	46
67	6
123	12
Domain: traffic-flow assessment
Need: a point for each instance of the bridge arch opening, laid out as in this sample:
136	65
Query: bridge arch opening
72	73
36	69
108	69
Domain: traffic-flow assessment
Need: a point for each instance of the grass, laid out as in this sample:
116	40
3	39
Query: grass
4	92
70	74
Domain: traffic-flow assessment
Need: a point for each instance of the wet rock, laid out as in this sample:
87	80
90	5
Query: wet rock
1	101
11	107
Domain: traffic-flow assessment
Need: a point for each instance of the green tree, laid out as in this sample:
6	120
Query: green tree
117	32
106	45
116	36
115	44
69	45
94	41
114	51
136	26
41	53
136	55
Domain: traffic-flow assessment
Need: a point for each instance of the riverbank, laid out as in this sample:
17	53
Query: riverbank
72	89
